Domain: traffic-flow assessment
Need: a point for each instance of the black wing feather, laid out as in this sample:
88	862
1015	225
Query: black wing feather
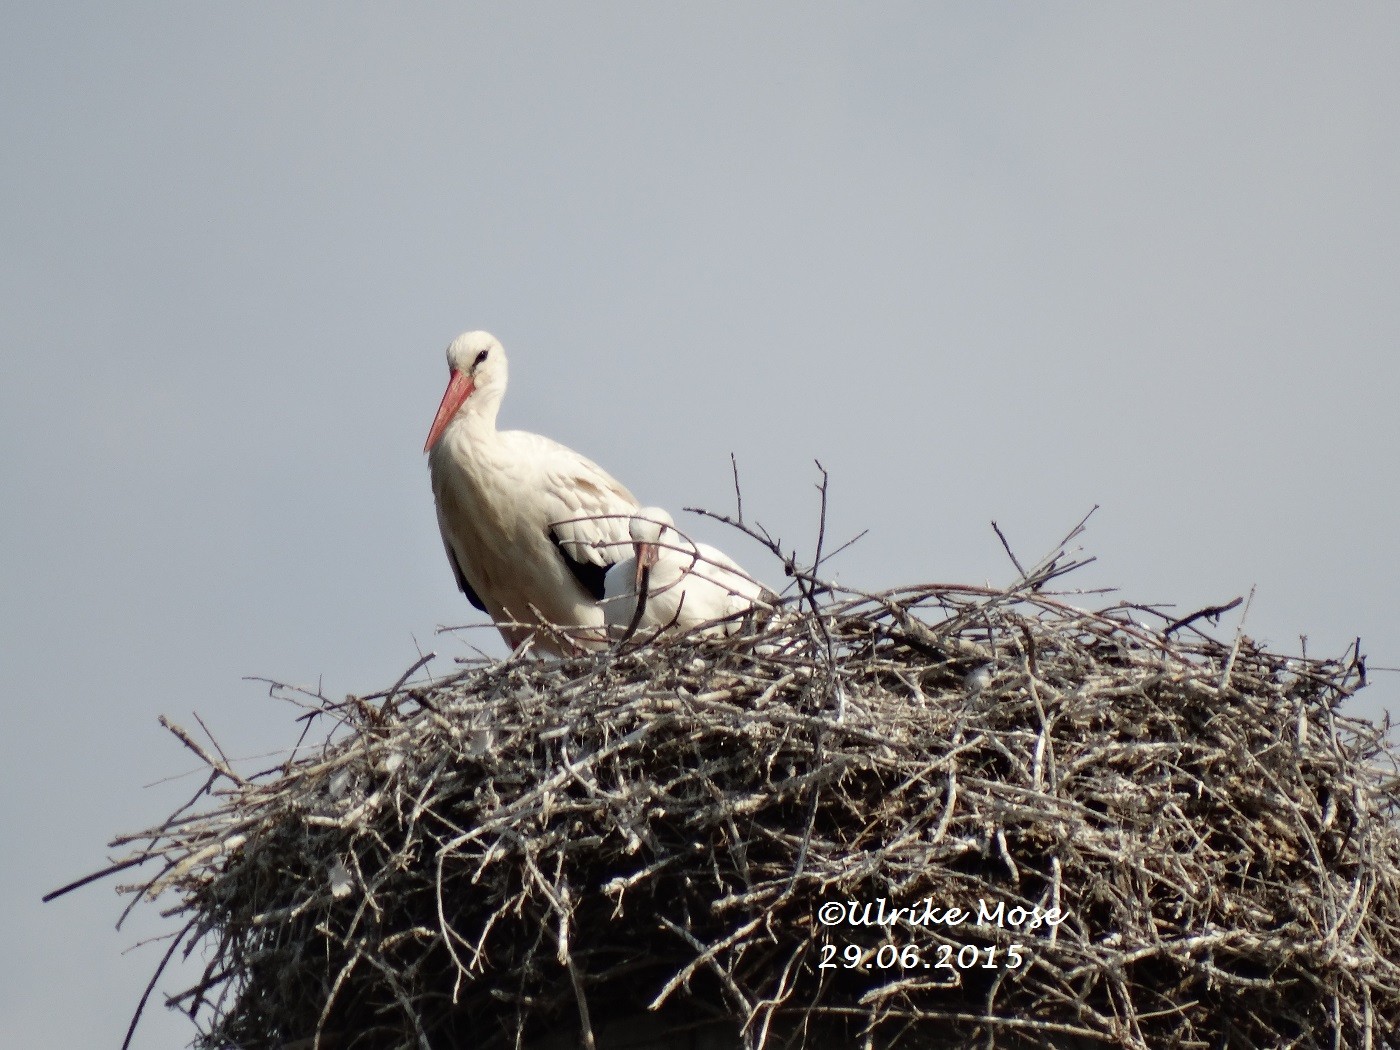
590	577
462	580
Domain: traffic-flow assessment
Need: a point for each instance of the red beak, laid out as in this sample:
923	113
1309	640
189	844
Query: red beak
459	388
646	558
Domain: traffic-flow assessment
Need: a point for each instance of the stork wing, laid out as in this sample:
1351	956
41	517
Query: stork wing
589	511
462	583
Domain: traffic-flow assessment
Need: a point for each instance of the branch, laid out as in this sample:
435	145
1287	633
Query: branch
1213	612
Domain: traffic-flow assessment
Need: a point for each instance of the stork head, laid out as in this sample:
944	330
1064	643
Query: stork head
647	527
476	366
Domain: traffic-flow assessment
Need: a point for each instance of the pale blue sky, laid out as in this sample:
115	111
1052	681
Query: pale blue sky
982	260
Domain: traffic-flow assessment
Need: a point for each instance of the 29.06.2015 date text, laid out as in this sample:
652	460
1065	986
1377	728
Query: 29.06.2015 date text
915	957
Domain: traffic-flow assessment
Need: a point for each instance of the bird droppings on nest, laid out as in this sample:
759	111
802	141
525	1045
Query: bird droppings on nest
1151	839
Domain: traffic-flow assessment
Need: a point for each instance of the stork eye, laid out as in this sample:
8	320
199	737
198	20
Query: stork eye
480	358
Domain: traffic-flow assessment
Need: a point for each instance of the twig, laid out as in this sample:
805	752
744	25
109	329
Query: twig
738	493
1211	612
207	758
111	869
1009	552
387	705
151	984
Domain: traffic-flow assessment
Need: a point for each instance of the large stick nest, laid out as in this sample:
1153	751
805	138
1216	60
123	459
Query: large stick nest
1157	838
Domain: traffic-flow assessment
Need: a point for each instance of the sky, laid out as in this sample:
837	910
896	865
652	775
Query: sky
983	261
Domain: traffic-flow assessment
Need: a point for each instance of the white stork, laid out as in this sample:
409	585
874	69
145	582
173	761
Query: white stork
530	526
681	583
